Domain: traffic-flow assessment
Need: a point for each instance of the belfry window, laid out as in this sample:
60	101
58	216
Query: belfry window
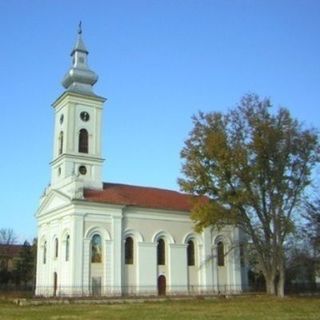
83	141
190	253
161	252
220	254
128	250
96	249
61	142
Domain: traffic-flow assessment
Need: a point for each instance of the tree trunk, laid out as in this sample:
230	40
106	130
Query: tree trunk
270	285
281	281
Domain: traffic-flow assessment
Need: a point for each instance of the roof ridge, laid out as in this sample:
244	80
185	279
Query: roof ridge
142	187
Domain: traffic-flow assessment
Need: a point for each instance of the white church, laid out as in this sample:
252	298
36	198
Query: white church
97	238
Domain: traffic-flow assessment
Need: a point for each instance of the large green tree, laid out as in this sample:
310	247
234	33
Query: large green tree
254	166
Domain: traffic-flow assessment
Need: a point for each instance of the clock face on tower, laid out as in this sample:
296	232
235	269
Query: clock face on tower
84	116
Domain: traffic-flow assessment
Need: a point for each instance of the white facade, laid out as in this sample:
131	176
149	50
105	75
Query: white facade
100	247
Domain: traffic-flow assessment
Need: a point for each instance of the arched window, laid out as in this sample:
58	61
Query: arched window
128	250
44	252
96	249
83	141
67	247
56	247
242	255
161	252
190	253
61	142
220	254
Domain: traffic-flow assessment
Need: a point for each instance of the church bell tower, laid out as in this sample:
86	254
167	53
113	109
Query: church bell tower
77	155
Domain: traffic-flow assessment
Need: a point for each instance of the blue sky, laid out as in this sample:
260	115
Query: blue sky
158	62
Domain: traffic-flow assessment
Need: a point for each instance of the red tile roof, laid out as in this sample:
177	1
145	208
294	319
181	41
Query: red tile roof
145	197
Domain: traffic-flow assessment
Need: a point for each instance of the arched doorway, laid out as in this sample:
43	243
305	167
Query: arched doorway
162	285
55	284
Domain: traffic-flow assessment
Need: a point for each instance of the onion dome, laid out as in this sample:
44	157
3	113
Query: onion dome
80	78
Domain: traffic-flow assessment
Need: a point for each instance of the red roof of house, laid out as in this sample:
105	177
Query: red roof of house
10	250
145	197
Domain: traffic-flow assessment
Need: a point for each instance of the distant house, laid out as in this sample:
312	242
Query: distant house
9	254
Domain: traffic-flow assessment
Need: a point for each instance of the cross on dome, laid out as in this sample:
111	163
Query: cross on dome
80	27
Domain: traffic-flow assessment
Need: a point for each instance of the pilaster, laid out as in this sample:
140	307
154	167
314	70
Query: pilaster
178	268
147	268
79	253
209	274
117	253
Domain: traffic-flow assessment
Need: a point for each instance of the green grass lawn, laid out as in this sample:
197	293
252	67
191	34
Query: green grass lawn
241	308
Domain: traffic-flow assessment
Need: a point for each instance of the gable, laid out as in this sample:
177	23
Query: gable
53	201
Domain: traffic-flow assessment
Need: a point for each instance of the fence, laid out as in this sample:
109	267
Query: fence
134	291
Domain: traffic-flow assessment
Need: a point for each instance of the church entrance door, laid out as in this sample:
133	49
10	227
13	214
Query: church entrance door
162	286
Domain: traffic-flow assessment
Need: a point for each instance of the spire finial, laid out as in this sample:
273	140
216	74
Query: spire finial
80	27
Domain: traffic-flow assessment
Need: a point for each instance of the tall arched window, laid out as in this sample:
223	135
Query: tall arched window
67	247
161	252
56	247
242	255
61	142
190	253
220	254
96	249
44	252
83	141
128	250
